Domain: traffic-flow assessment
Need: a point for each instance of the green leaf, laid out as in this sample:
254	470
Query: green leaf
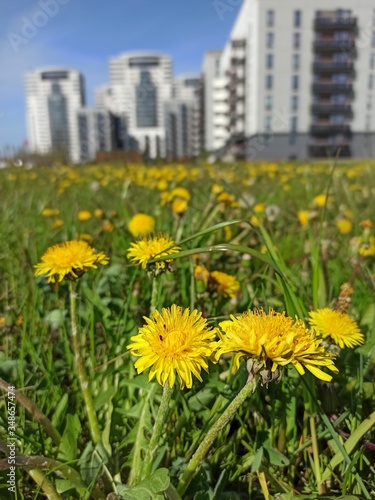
59	413
56	318
202	400
151	488
68	445
276	457
63	485
257	460
349	445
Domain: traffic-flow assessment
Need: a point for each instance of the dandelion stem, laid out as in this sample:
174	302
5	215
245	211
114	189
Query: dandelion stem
158	427
44	484
81	372
154	294
210	437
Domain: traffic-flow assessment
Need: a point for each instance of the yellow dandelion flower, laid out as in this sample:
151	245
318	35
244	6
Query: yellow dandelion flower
343	330
86	237
366	224
272	341
344	226
366	246
98	212
179	192
259	208
56	224
146	249
108	226
162	185
216	189
320	200
173	342
69	260
83	215
254	221
141	224
50	212
201	273
225	284
179	206
303	217
225	197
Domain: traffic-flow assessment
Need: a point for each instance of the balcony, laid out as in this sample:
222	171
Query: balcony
327	108
332	23
332	45
333	88
333	67
324	128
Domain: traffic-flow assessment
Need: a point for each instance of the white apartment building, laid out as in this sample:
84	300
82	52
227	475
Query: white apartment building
212	132
296	79
183	118
95	132
141	83
53	97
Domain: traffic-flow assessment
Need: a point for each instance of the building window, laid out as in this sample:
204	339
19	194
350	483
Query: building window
269	82
217	67
295	82
368	122
295	61
270	39
268	101
267	122
369	102
294	102
297	18
296	40
372	61
270	18
269	61
373	40
370	81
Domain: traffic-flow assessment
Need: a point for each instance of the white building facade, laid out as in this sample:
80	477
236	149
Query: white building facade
140	84
296	79
53	97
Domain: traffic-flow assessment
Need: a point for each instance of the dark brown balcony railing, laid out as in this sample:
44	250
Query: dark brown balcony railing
333	66
335	23
331	45
329	108
333	88
322	129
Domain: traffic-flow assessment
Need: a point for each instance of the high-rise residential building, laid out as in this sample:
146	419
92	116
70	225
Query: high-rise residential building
296	79
95	132
183	118
214	108
53	97
141	83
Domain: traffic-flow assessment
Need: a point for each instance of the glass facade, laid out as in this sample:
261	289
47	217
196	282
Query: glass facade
146	101
58	119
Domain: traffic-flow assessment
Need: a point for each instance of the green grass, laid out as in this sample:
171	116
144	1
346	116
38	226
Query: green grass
268	448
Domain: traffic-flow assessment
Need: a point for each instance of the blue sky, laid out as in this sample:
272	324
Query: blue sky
84	34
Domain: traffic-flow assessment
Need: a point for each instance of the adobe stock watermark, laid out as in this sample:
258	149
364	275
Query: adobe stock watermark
223	6
31	25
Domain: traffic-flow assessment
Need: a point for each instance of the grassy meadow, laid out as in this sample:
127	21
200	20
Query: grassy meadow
259	236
